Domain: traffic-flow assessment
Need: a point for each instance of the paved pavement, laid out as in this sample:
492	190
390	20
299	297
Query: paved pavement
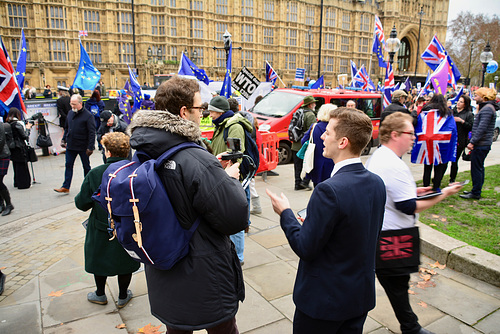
41	251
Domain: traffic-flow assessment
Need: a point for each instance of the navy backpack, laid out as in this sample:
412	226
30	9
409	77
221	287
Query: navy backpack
140	214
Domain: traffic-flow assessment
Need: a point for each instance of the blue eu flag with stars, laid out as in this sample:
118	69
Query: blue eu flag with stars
377	49
187	67
136	90
21	63
226	85
87	75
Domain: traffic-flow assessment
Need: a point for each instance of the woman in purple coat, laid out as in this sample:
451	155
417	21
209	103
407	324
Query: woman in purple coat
322	166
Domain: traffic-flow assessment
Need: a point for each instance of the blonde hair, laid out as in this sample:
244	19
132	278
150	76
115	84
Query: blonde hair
324	112
117	143
488	94
393	122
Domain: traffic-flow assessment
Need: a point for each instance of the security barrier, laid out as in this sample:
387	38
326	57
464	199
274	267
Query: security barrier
269	151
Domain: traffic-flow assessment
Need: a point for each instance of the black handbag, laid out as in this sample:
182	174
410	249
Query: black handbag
31	154
44	140
466	156
398	248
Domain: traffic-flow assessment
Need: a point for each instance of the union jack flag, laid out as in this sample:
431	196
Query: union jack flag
10	94
434	54
362	79
271	75
379	31
396	247
436	141
388	85
83	33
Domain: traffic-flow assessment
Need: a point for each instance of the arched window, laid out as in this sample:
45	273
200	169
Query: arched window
404	55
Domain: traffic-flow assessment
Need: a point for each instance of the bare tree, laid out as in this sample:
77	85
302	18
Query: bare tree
480	28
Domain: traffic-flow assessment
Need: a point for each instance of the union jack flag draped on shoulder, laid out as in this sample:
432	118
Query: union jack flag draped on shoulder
436	141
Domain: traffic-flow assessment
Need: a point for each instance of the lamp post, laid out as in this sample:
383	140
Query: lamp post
392	45
496	80
470	59
309	34
421	13
195	56
150	53
159	54
227	44
485	57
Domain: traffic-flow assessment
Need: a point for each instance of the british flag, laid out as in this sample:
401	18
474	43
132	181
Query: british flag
10	94
83	33
388	85
436	141
434	54
379	31
271	75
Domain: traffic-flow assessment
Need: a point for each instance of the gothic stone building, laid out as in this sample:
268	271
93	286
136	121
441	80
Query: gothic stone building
284	33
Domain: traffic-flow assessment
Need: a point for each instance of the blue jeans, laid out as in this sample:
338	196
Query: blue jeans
238	239
478	155
70	162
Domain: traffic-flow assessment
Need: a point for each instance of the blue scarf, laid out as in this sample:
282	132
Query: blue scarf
222	117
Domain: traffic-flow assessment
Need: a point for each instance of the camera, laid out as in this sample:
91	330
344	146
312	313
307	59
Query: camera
235	153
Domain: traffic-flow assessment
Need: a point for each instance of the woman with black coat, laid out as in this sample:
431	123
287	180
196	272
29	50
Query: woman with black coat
5	204
464	119
22	177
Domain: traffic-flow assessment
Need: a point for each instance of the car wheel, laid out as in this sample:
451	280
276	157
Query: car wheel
495	134
285	153
367	148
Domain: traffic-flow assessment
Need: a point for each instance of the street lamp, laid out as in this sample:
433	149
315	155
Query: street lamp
195	56
159	54
485	57
421	13
470	59
227	44
150	53
186	52
392	45
496	80
309	34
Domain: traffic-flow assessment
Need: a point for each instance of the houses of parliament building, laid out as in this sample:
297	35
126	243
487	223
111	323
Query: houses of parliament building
152	35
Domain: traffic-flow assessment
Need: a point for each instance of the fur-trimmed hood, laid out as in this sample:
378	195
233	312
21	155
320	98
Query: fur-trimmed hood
155	131
166	121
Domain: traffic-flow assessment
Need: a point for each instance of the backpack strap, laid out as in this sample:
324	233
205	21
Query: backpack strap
226	130
171	151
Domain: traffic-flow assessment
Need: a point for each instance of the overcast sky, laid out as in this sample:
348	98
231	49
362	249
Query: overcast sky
489	7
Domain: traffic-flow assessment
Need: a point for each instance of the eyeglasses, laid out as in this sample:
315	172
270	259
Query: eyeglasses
199	108
408	133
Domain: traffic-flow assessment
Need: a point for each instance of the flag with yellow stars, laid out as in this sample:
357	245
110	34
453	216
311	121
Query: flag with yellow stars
21	62
87	75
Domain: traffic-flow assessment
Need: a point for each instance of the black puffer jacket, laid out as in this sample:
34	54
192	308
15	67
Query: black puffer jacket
20	135
4	146
204	288
484	124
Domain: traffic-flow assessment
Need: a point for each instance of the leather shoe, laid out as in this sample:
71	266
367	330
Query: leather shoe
62	190
424	331
470	196
466	192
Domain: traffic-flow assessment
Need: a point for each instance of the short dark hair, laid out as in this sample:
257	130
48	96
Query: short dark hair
353	124
176	93
233	104
117	143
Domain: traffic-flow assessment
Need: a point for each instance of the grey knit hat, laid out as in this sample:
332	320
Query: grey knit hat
219	104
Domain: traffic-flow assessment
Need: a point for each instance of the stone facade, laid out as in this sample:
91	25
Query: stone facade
272	30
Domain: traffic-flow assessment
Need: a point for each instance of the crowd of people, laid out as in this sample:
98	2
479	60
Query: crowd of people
333	242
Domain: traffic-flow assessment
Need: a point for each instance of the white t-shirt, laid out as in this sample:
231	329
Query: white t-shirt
399	185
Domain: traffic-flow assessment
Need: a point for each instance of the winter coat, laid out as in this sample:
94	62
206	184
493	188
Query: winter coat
309	119
396	106
79	133
235	131
322	166
484	124
20	135
94	107
463	129
102	256
63	107
4	145
203	289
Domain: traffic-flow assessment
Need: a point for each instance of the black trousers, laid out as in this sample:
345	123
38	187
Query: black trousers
454	165
297	168
439	171
396	288
22	177
304	324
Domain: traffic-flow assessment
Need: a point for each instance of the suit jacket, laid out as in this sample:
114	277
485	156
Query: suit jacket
336	245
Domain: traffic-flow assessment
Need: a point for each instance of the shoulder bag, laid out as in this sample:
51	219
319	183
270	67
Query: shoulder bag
44	140
309	154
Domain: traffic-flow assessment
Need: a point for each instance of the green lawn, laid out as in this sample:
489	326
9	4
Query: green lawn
476	222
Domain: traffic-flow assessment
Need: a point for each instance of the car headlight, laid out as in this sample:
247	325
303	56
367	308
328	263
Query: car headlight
264	127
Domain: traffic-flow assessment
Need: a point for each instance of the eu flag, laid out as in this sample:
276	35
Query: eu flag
377	48
320	83
226	85
21	63
87	75
136	91
187	67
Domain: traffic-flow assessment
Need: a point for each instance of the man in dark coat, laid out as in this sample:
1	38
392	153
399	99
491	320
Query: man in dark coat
398	98
335	284
78	138
202	290
63	106
110	123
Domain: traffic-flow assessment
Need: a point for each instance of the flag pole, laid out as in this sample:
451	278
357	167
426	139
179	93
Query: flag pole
276	74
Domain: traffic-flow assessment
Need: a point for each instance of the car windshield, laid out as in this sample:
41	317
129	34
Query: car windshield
277	104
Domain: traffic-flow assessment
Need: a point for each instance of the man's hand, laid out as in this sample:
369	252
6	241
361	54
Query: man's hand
63	143
459	119
470	146
280	204
452	189
89	152
233	170
224	163
423	190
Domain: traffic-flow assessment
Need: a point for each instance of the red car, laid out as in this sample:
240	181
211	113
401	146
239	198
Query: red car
274	112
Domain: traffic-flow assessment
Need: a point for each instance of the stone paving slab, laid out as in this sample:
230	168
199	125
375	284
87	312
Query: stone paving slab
450	325
490	324
22	319
256	255
101	323
271	280
282	326
137	314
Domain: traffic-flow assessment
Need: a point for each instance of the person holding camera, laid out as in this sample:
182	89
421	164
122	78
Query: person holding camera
78	139
18	155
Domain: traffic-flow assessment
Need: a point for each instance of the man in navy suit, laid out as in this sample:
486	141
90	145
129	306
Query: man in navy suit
335	284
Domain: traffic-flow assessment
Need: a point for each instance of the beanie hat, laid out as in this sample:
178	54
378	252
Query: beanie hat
105	115
219	104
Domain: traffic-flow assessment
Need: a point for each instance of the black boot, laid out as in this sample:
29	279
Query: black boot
2	204
8	205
